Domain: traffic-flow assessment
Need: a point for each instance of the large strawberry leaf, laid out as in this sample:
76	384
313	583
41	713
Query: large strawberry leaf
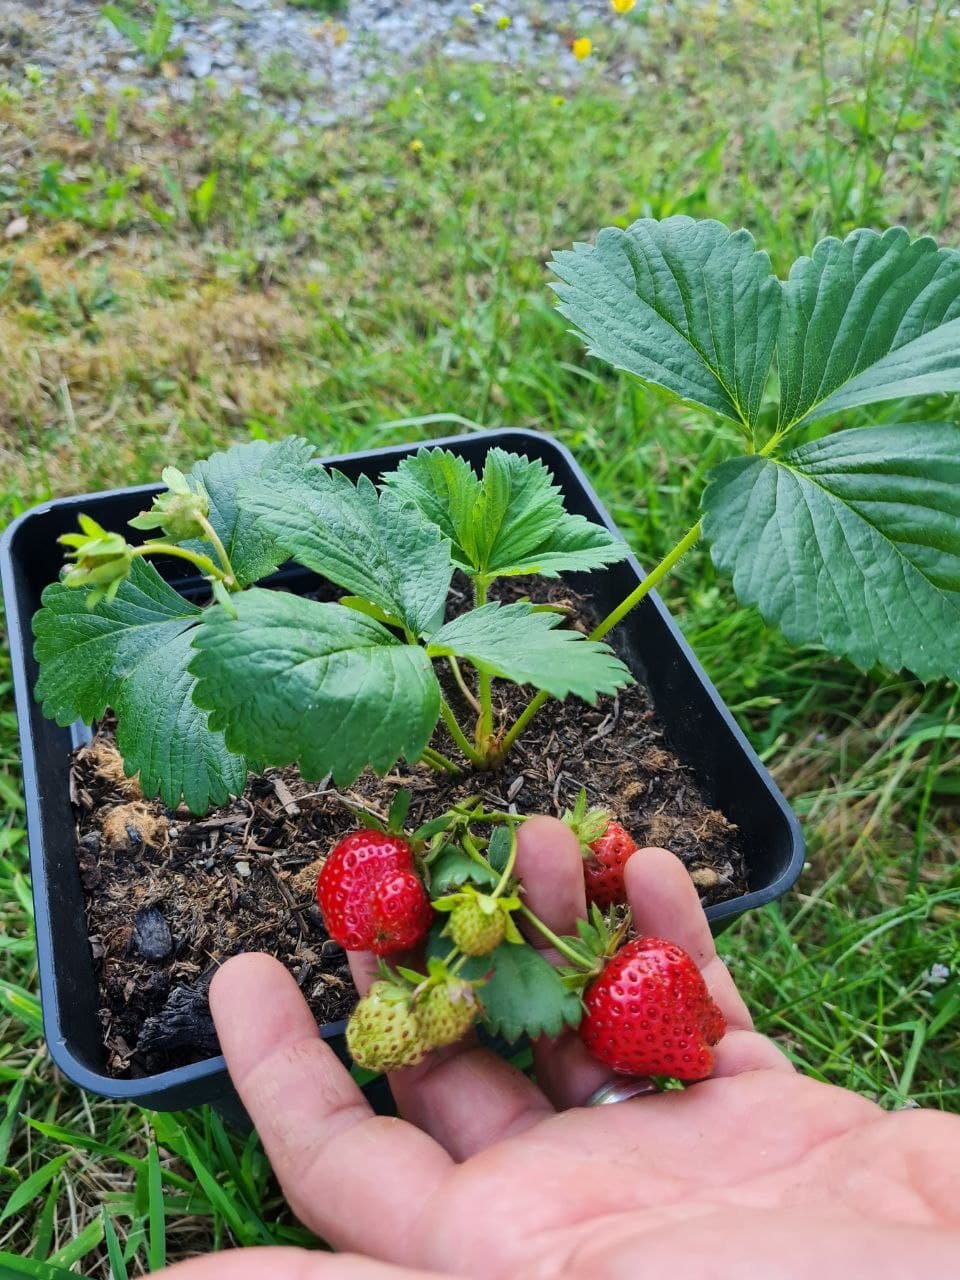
516	643
510	520
375	547
163	734
445	489
524	994
685	305
851	542
130	654
253	551
314	684
869	318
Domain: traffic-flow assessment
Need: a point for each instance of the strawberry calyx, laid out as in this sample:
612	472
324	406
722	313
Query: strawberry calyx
588	825
598	940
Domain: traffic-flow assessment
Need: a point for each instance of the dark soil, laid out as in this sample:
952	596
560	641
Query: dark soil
170	896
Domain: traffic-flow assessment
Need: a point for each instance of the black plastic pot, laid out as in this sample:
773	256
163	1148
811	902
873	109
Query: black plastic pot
701	729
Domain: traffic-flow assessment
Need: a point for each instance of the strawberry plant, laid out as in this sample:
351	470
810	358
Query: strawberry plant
844	533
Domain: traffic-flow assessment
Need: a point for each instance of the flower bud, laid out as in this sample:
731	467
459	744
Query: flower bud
178	512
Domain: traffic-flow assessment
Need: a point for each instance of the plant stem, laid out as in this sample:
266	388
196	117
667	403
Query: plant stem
462	684
496	815
484	681
650	581
471	850
437	760
230	579
610	621
508	869
567	952
201	562
459	737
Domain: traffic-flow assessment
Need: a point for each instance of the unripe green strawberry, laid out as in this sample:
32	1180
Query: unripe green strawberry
476	931
446	1012
384	1032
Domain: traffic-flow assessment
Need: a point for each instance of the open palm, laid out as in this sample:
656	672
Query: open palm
757	1172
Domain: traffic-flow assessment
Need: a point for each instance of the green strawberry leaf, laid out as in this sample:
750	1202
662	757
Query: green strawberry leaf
869	318
445	489
683	304
524	995
498	850
510	521
253	552
313	684
851	542
452	868
164	735
375	548
131	654
433	827
517	643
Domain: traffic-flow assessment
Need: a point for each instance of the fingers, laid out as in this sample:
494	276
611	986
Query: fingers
465	1097
288	1264
741	1051
665	903
550	866
356	1179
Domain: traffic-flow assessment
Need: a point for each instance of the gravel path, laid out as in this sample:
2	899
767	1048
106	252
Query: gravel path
311	67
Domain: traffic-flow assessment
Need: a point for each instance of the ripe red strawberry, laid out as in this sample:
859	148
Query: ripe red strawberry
603	872
370	896
650	1013
400	913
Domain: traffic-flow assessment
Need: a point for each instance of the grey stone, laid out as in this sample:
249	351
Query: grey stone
152	939
228	46
199	64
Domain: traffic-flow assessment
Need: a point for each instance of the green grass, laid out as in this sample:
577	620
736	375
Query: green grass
359	291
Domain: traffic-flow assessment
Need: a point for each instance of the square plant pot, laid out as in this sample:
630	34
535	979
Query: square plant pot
699	727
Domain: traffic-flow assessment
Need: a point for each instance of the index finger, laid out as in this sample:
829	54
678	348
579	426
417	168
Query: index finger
665	903
358	1180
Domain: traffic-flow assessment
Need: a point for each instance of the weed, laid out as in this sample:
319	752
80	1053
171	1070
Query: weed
153	41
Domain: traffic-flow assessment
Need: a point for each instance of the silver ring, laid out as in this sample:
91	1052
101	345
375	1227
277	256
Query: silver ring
619	1091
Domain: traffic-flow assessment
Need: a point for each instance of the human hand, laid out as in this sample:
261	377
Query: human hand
756	1172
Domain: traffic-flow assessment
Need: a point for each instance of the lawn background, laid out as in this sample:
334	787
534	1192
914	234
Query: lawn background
201	275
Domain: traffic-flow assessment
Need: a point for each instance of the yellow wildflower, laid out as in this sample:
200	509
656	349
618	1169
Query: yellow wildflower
476	8
622	6
503	23
416	146
559	100
582	48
